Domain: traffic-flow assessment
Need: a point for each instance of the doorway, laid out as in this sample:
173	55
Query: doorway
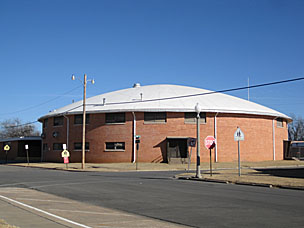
177	150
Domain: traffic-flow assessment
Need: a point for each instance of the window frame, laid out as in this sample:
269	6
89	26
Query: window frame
191	119
45	147
280	122
114	118
59	148
45	123
155	117
81	118
87	146
60	121
115	149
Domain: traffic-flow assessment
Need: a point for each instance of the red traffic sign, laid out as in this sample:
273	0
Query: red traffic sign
209	142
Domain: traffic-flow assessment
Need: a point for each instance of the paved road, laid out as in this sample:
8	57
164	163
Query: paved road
158	195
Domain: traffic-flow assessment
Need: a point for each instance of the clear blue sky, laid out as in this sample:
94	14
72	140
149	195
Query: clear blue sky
202	43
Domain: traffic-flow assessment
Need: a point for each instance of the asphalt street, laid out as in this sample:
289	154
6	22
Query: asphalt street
158	195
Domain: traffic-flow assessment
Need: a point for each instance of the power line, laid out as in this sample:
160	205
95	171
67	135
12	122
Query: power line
184	96
20	125
201	94
43	103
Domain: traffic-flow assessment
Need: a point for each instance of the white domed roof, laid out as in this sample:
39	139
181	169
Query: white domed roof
166	98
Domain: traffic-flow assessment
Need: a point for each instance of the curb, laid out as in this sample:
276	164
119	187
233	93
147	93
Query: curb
240	183
92	170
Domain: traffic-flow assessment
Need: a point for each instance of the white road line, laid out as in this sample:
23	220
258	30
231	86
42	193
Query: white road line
56	201
45	212
137	220
95	213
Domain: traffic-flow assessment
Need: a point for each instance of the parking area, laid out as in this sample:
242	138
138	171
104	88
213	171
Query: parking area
30	208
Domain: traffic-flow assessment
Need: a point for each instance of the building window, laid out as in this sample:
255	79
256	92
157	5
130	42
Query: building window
78	146
190	117
45	123
155	117
116	117
58	121
280	122
45	147
78	119
115	146
57	146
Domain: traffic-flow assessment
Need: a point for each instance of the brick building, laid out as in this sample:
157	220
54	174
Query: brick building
17	152
164	116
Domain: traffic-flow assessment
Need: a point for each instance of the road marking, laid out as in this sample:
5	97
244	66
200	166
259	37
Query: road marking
56	201
137	220
45	212
95	213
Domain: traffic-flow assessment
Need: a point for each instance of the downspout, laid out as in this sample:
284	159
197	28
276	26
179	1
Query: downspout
215	136
134	134
273	137
41	159
68	129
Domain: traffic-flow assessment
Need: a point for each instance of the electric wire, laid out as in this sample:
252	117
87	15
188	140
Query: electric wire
201	94
43	103
176	97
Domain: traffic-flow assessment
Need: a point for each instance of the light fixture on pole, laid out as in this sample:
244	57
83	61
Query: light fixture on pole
198	156
84	82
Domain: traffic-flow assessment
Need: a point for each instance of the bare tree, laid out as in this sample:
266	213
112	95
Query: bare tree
14	128
296	129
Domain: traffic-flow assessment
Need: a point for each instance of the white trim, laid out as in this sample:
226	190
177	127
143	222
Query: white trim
45	212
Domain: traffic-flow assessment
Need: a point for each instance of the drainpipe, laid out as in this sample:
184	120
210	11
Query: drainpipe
134	134
41	159
273	137
215	135
68	129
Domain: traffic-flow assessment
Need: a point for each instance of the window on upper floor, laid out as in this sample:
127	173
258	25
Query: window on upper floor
280	122
45	123
155	117
119	117
78	119
58	121
190	117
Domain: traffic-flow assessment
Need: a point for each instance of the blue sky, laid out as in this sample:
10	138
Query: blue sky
202	43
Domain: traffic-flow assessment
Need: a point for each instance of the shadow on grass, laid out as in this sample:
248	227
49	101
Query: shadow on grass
283	172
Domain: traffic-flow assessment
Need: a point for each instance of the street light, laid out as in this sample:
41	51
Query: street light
198	156
84	82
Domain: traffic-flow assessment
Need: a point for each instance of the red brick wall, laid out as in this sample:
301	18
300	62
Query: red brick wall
258	144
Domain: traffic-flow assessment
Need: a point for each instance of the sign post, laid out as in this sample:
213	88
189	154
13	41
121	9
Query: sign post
210	144
65	154
192	143
27	154
239	136
137	141
6	149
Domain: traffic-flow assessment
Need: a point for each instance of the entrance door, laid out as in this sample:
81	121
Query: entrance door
177	150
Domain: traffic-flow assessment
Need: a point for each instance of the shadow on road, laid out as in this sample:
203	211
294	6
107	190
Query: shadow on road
284	172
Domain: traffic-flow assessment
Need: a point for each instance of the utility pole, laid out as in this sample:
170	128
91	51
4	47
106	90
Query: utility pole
84	83
198	156
84	120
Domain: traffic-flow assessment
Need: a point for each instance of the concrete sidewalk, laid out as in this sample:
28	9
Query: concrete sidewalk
287	173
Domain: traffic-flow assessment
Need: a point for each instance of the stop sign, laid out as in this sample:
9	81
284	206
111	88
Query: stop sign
209	142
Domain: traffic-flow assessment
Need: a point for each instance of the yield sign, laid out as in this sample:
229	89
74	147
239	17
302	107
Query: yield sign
239	135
